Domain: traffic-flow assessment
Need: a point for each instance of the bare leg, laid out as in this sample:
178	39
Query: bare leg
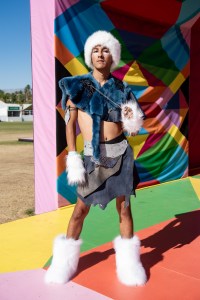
76	222
125	218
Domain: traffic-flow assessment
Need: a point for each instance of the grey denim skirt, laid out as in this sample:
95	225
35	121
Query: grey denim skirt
103	183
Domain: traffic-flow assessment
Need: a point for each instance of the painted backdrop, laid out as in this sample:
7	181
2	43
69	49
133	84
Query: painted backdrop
160	61
155	62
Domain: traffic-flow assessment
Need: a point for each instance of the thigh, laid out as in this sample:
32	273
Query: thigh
120	201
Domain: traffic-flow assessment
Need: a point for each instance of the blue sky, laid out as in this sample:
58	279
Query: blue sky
15	44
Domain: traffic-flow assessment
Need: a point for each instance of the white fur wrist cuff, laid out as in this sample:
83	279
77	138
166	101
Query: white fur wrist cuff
134	124
75	169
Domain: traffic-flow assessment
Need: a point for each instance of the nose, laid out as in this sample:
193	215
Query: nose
100	54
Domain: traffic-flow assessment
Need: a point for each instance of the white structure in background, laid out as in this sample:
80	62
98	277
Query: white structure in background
15	112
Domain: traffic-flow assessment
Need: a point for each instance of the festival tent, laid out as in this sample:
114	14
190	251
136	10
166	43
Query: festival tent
160	61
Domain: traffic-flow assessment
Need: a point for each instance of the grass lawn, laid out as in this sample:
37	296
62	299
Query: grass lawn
6	127
11	131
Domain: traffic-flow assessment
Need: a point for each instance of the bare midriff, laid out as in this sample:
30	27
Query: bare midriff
109	130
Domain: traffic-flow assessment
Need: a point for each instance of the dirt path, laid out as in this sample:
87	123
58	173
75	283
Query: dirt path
16	178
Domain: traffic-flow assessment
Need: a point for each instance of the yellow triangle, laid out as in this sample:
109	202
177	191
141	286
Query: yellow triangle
26	243
137	142
174	86
75	67
196	185
135	76
79	142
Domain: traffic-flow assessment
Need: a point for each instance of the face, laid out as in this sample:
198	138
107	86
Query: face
101	57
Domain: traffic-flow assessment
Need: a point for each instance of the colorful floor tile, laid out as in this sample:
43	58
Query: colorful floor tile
169	254
167	220
29	285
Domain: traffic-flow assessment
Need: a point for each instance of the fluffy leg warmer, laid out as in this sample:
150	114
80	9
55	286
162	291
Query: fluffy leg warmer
75	168
65	260
128	265
133	124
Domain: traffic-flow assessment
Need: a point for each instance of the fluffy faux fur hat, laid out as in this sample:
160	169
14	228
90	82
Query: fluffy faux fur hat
106	39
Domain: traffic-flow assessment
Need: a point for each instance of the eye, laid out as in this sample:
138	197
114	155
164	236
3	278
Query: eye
94	50
106	50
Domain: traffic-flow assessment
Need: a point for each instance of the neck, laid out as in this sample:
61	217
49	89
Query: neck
101	75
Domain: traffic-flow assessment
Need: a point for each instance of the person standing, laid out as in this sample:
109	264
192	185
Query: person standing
105	108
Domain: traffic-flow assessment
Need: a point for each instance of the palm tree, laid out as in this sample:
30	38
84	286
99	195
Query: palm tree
27	92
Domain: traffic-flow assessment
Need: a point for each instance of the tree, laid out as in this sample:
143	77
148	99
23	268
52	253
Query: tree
27	92
7	97
19	96
1	94
14	97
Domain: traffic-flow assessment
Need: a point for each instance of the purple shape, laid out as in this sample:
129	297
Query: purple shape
121	72
61	6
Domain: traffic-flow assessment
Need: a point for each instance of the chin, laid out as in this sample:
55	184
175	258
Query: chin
102	68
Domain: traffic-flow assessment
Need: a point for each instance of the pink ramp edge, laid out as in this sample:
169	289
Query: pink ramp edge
43	74
30	285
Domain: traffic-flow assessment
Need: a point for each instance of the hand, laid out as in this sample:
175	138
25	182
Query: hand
134	133
127	112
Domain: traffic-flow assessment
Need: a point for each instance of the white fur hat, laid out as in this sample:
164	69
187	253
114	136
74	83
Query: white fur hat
106	39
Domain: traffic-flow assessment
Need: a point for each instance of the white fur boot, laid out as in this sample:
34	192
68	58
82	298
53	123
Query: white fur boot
128	265
65	260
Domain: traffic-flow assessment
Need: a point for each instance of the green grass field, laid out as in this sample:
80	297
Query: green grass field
11	131
15	127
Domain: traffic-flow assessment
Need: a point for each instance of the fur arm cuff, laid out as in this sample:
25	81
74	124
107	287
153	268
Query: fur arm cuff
75	168
133	124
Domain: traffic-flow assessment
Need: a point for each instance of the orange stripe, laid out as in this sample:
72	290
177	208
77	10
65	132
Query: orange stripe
61	112
186	70
185	145
61	52
151	94
152	125
61	162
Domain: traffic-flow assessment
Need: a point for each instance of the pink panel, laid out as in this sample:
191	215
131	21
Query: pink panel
30	285
43	74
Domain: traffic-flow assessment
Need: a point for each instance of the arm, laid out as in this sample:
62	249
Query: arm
74	164
71	119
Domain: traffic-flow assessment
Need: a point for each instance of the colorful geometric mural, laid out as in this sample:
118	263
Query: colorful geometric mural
155	38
